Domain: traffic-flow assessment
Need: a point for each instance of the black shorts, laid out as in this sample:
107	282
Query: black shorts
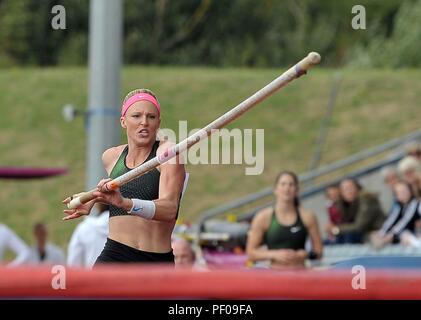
116	252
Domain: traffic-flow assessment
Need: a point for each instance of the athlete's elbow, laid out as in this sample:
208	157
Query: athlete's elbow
172	217
171	213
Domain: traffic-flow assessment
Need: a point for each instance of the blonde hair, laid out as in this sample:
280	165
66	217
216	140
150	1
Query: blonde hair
137	91
408	163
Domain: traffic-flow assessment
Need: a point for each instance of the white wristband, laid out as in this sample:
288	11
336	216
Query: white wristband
143	208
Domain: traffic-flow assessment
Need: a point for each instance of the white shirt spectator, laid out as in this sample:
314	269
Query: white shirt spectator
53	255
9	240
88	240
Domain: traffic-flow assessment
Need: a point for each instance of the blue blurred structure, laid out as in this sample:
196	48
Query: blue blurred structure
381	262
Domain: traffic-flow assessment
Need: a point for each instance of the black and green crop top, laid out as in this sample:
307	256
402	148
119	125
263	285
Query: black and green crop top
145	187
279	236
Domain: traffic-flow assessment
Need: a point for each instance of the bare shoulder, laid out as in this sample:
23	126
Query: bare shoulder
111	155
308	216
262	218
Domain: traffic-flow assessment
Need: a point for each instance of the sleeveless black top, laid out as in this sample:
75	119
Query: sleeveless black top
145	187
279	236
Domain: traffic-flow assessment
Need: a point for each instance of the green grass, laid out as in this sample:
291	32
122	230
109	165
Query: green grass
373	106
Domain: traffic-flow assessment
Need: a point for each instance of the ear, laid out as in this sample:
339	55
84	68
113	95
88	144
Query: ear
123	122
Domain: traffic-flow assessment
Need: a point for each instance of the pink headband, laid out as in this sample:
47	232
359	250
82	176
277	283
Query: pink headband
140	97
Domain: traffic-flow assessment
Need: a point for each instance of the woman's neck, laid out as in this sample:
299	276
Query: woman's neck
137	154
406	203
284	208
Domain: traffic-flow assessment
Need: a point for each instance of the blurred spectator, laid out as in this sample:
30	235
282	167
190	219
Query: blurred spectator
419	182
410	168
44	252
414	149
279	234
362	213
183	253
9	240
410	239
390	176
333	197
403	217
89	239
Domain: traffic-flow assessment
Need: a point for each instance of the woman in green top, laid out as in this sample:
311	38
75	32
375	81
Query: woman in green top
143	212
279	233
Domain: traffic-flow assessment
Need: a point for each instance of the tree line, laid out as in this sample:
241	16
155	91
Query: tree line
250	33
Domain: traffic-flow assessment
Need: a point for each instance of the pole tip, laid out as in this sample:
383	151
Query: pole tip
314	57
